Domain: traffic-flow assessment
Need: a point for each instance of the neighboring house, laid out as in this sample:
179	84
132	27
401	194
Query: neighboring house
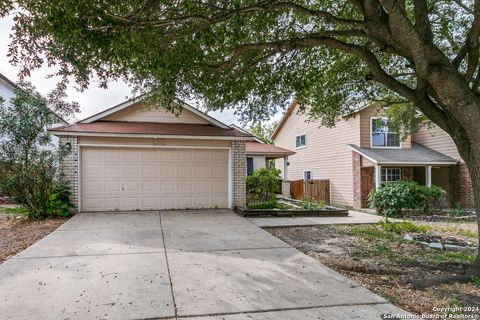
131	157
360	153
7	88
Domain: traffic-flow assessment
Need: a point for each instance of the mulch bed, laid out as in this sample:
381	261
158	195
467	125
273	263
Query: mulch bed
384	267
17	234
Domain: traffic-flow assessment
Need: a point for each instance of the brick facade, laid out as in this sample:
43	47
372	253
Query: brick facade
462	186
357	179
367	185
239	173
69	167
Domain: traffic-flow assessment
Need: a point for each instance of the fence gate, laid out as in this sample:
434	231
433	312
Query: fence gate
318	190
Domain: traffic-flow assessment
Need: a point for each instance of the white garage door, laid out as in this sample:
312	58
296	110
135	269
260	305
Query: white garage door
153	178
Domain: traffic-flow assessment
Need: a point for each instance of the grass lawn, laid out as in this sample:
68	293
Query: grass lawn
13	210
377	257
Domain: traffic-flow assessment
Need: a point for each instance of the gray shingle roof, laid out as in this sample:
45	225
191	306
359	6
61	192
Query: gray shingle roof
418	154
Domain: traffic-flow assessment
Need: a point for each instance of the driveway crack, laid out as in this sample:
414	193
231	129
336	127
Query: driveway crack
168	266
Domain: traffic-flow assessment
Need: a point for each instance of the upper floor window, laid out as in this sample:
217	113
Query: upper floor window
300	141
381	136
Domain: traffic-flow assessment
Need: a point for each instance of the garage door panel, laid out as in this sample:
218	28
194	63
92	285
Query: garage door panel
185	186
220	171
168	170
112	186
148	179
111	169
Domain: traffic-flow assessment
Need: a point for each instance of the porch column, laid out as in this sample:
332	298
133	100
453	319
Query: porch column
378	176
285	168
428	176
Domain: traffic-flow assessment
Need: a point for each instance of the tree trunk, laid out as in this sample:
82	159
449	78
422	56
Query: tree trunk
470	152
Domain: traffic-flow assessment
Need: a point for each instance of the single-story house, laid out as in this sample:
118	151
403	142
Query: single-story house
131	157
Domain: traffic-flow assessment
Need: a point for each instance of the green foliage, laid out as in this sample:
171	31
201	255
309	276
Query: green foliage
59	202
263	131
28	160
392	197
403	227
15	211
457	210
476	280
311	204
262	185
267	205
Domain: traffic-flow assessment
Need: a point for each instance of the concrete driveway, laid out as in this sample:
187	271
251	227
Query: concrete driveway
206	264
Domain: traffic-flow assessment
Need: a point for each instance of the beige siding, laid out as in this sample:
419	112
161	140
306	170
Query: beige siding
325	154
365	115
139	113
437	139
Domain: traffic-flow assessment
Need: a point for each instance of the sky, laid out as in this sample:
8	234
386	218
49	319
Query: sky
92	100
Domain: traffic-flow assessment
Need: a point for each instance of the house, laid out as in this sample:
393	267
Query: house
7	91
360	153
132	157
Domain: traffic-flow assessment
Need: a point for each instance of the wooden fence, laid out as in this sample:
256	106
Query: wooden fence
318	190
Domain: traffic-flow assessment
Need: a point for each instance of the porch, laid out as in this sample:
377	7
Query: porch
372	167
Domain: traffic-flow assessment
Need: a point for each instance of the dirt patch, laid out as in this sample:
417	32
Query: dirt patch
17	234
384	263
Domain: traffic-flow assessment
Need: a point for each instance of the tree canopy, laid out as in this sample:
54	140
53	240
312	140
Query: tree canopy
255	55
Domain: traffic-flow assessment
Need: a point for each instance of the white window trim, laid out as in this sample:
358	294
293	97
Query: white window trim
311	174
371	133
295	141
386	174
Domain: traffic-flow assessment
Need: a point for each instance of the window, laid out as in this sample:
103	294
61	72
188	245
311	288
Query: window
381	136
391	174
300	141
249	166
307	175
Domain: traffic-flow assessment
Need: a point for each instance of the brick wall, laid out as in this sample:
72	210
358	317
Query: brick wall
462	186
239	173
367	184
69	167
362	181
356	169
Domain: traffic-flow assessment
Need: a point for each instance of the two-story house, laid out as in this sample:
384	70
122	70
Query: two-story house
360	153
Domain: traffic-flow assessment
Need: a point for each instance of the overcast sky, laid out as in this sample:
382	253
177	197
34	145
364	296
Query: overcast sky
92	100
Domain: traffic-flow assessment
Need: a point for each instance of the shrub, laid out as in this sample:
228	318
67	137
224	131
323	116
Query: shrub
60	204
270	204
311	204
392	197
263	184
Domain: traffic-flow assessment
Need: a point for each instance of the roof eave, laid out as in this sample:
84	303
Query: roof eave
146	135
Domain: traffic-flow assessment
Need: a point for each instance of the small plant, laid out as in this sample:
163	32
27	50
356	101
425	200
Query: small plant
392	197
267	205
262	185
476	280
403	227
457	210
311	204
60	204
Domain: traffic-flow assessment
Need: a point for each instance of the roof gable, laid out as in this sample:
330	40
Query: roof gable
134	111
284	118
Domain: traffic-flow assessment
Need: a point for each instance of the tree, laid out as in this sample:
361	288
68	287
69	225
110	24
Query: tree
263	131
254	55
28	160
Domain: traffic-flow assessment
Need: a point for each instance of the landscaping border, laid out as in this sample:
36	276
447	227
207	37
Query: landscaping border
326	212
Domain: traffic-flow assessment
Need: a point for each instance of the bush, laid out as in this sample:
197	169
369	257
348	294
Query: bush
263	184
311	204
60	204
392	197
268	205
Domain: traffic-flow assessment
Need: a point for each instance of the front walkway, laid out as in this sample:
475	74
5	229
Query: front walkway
187	264
354	217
